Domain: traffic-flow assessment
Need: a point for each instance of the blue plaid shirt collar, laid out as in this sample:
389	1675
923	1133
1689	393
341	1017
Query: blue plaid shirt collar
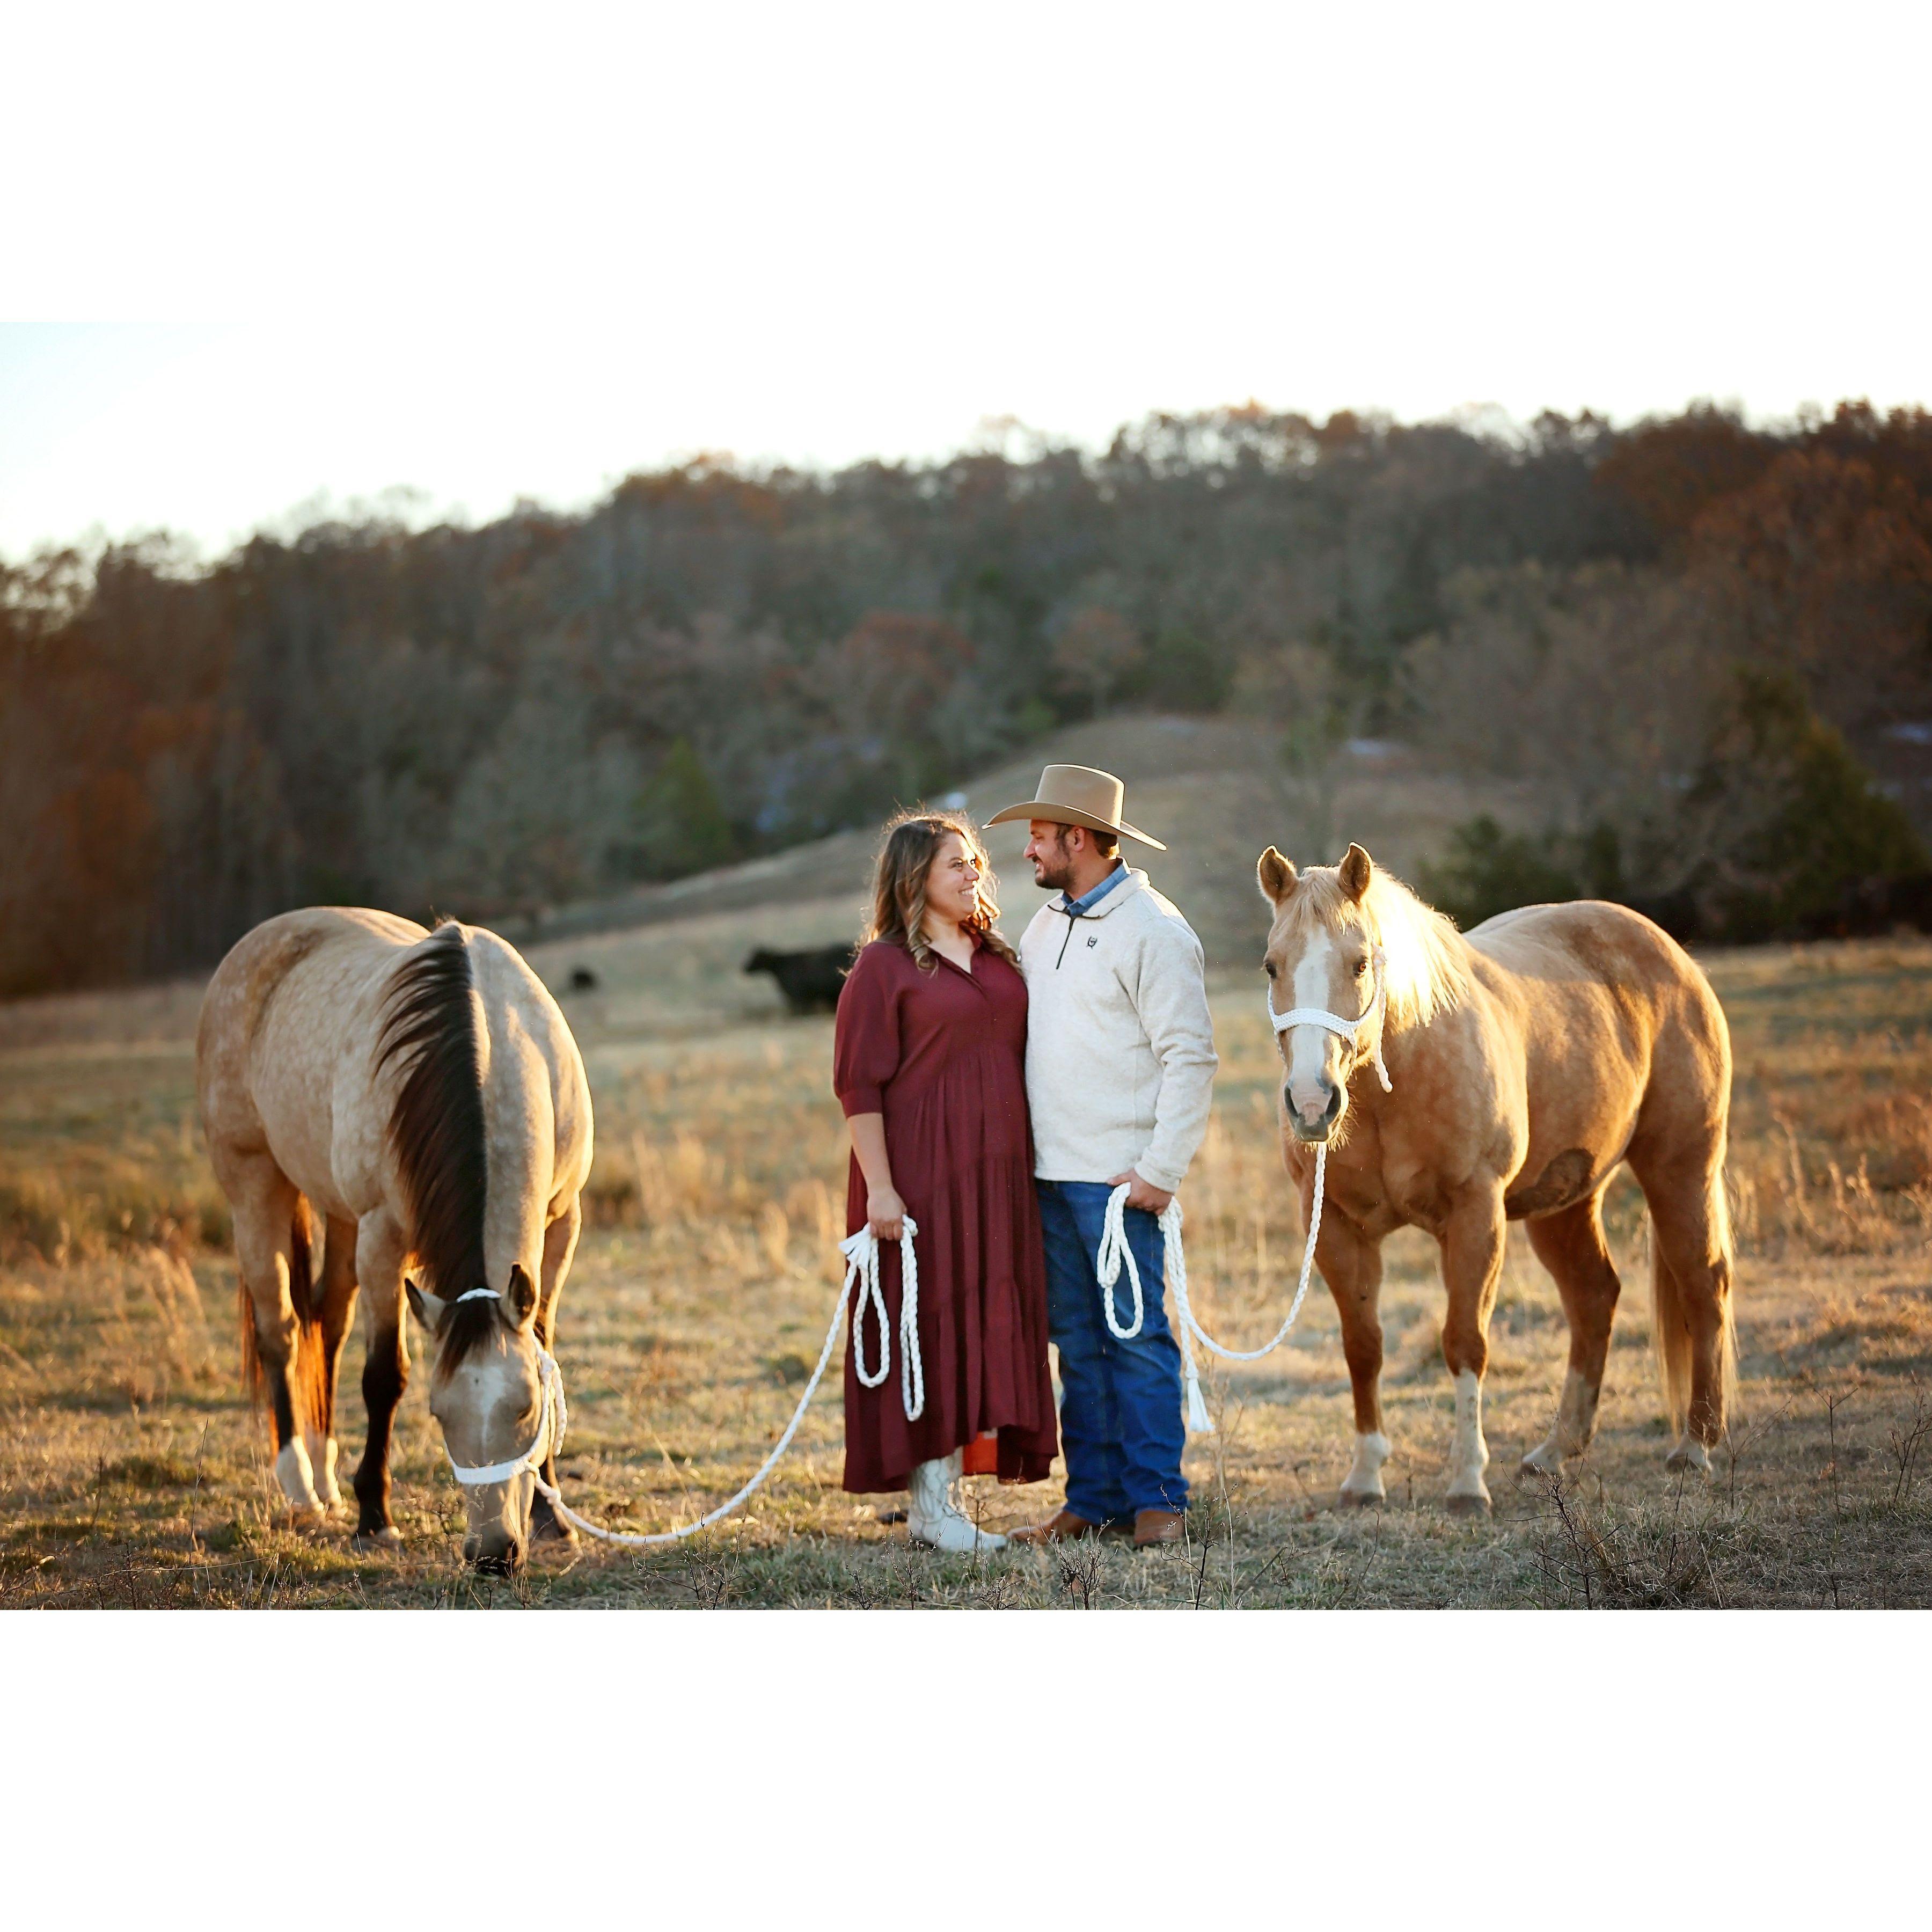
1080	908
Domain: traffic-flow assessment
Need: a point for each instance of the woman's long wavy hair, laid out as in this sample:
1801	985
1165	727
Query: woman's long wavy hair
906	853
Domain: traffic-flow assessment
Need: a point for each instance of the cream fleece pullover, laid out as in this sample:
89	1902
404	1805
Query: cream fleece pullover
1121	1059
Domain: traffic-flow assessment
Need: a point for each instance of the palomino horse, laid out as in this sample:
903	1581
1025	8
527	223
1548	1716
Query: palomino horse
1525	1061
421	1092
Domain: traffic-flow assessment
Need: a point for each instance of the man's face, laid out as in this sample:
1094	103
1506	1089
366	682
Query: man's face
1050	850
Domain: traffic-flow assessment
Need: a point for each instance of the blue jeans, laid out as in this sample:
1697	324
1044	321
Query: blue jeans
1120	1410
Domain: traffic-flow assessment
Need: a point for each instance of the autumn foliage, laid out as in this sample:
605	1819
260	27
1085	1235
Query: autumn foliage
711	663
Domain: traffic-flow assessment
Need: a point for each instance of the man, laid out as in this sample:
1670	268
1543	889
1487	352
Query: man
1120	1068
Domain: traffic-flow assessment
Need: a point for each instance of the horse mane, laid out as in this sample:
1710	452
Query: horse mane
436	1129
1425	971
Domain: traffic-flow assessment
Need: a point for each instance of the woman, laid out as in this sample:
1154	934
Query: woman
929	1064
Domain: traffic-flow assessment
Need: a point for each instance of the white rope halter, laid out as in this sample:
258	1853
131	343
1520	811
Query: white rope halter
862	1266
1334	1023
1115	1253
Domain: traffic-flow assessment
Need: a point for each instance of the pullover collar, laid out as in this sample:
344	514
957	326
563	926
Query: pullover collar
1095	904
1078	908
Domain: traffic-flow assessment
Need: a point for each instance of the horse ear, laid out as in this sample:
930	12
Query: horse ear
1276	876
1357	869
427	1308
522	1298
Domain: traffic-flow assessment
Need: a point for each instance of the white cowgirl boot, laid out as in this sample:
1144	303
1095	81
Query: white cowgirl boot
934	1516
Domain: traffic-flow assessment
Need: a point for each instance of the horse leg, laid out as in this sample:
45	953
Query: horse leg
272	1244
381	1249
559	1246
1570	1245
1351	1265
1690	1281
338	1308
1471	1242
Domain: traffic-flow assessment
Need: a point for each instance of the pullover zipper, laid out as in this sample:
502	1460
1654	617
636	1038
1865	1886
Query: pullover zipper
1072	919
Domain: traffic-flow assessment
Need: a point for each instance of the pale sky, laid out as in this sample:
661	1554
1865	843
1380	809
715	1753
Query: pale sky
486	253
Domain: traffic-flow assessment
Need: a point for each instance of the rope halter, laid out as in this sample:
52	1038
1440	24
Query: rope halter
1348	1029
552	1418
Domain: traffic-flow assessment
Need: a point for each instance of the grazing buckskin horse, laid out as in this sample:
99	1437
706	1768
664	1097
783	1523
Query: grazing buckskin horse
420	1093
1525	1059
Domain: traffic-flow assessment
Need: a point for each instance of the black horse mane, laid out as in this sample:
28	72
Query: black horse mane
436	1130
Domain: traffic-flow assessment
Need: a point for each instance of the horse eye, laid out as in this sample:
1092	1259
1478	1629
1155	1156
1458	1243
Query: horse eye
1268	967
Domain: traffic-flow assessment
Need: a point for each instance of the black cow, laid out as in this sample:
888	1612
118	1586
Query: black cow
1870	908
811	982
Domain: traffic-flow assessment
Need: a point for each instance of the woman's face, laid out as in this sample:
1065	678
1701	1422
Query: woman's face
952	882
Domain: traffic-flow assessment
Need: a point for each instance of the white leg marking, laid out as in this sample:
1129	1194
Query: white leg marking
293	1471
1570	1435
1363	1483
326	1486
1471	1455
1690	1454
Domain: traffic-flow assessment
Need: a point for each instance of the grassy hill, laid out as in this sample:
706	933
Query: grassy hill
1215	790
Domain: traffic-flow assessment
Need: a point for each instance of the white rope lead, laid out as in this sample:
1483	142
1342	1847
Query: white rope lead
862	1258
862	1266
1115	1251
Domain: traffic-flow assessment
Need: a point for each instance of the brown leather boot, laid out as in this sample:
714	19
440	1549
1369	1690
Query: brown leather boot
1157	1526
1063	1528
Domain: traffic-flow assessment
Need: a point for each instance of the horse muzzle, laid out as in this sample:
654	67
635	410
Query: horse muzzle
493	1555
1311	1133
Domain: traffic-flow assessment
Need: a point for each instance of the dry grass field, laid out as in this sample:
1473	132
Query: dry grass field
131	1473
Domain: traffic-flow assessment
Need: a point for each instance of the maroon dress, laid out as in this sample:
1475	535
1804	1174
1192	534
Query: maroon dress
942	1055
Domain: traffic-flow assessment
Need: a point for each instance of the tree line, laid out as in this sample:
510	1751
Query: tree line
1671	629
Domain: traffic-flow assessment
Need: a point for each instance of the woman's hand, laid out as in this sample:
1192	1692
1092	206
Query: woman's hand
885	1212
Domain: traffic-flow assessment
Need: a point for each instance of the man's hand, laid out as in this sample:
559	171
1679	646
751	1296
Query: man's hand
885	1213
1143	1194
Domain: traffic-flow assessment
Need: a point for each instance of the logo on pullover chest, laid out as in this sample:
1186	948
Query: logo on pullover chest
1073	920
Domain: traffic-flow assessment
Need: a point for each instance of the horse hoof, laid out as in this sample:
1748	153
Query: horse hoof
1690	1457
1361	1499
387	1537
1468	1505
1532	1468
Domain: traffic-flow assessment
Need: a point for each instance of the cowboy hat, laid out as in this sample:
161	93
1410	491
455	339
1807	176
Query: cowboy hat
1077	795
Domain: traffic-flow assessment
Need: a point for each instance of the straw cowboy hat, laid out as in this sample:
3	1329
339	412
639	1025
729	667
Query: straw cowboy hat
1079	795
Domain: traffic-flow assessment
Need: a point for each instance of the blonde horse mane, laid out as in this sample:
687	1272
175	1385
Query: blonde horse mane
1425	969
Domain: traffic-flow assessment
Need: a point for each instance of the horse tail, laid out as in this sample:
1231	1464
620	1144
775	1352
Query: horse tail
1727	1255
1669	1322
251	1353
1670	1336
305	1371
